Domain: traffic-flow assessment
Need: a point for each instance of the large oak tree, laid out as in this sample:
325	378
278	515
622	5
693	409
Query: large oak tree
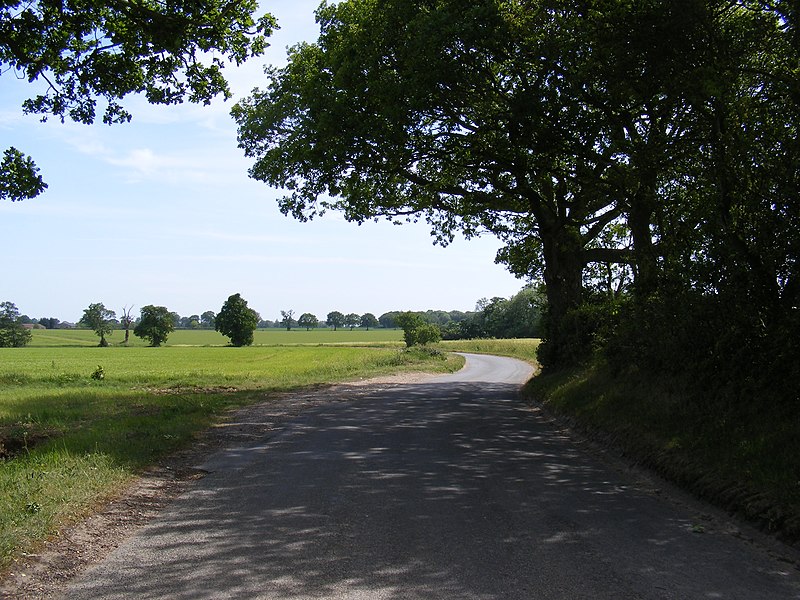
581	133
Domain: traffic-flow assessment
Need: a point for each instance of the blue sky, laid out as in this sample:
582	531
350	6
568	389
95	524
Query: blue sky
161	211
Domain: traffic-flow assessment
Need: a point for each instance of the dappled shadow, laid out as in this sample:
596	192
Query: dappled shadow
438	490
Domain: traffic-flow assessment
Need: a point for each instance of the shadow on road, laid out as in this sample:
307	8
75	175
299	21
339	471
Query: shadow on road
442	490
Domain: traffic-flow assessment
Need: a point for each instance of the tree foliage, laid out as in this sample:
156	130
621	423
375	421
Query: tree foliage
208	319
100	320
517	317
90	51
641	159
352	320
458	113
368	320
12	333
19	176
416	331
308	321
155	324
336	319
237	321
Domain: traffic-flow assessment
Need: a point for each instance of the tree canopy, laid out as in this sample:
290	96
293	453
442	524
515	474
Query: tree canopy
237	321
368	320
100	320
12	333
155	324
89	51
336	319
473	116
308	320
635	153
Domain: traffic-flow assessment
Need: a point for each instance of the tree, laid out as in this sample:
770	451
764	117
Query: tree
236	321
470	118
409	322
416	331
90	51
368	320
387	320
155	324
49	322
308	321
190	322
287	319
126	321
100	320
336	319
352	320
12	333
544	126
427	333
517	317
207	319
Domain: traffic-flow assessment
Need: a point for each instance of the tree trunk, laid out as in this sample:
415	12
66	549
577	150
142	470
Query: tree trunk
564	262
640	218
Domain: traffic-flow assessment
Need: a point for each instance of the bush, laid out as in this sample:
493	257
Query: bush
580	333
427	333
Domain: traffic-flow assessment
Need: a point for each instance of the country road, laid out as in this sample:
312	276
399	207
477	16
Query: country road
447	489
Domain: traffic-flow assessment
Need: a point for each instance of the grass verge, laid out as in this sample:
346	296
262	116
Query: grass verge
523	349
68	441
744	460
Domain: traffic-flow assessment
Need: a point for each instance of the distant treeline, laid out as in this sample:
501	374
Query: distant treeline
515	317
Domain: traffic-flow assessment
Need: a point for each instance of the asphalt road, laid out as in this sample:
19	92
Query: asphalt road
449	489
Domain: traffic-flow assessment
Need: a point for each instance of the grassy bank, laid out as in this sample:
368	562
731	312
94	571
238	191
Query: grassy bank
747	463
523	349
67	440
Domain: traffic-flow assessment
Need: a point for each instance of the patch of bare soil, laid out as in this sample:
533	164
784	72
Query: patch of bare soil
45	574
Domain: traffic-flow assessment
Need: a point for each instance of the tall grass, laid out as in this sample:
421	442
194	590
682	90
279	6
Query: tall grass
523	349
750	466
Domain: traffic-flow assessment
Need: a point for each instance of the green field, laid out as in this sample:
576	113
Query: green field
68	440
523	348
206	337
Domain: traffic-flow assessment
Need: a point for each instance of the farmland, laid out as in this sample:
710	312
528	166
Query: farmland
68	439
207	337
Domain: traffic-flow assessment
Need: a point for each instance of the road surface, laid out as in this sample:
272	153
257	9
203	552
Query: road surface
449	489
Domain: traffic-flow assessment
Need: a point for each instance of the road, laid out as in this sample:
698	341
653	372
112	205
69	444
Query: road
449	489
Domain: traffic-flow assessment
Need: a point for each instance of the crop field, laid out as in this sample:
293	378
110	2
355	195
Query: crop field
206	337
78	422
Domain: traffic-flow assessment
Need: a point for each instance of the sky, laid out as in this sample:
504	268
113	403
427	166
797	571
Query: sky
161	211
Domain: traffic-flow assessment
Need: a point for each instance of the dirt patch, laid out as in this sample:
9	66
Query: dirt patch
45	574
19	438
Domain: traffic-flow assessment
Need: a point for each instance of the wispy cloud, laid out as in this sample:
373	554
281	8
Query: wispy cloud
259	238
146	164
283	260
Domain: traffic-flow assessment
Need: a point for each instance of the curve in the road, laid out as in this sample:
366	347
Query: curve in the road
448	489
